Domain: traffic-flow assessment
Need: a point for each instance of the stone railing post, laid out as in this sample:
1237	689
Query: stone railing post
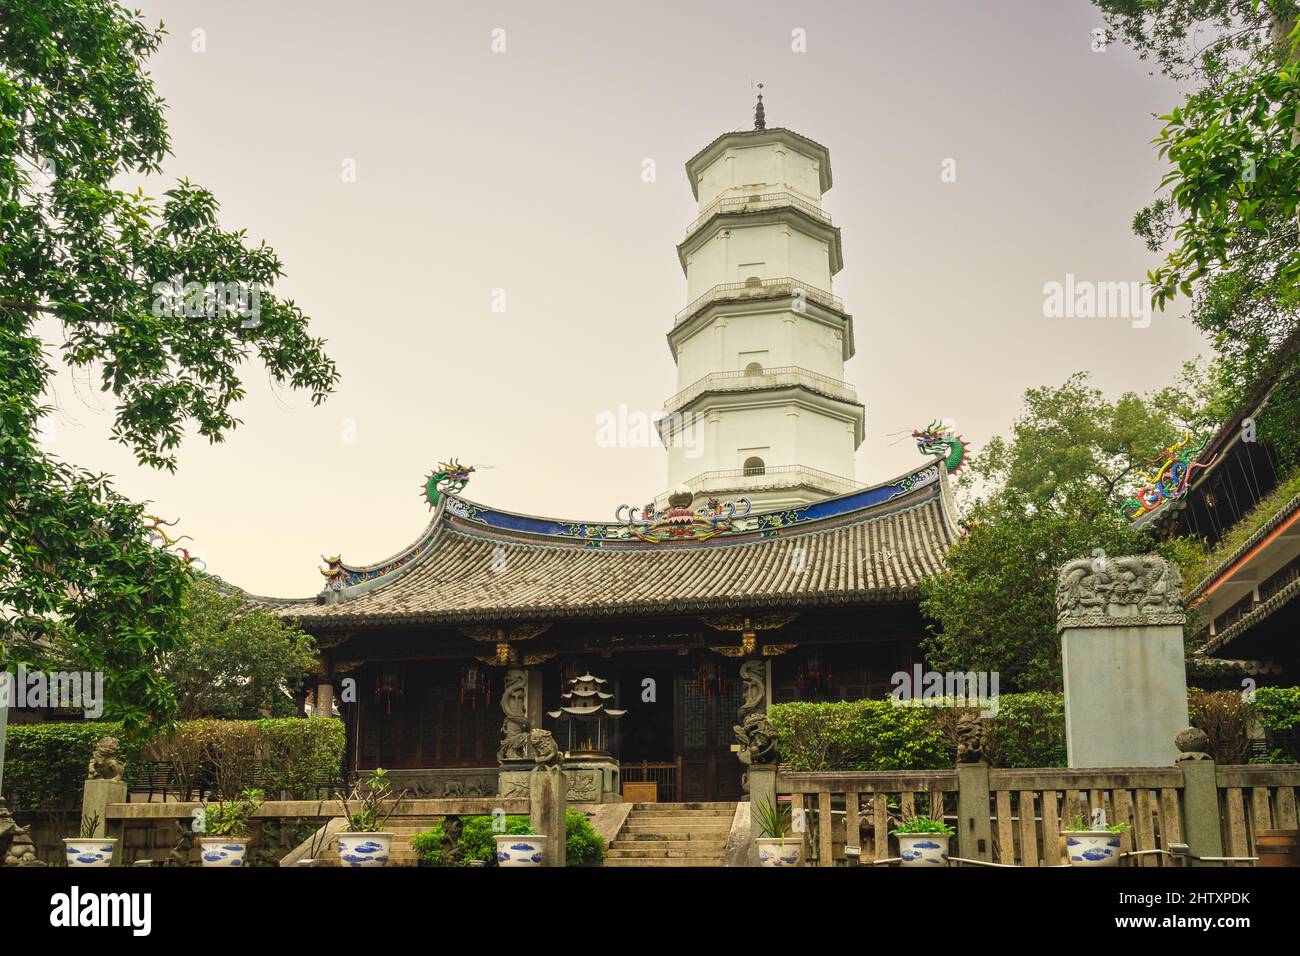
762	790
104	785
548	796
974	825
1201	825
1121	625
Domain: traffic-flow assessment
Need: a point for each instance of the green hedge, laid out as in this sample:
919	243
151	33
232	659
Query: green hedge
45	764
1027	731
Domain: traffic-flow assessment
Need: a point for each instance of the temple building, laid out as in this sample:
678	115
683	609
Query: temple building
1235	495
766	574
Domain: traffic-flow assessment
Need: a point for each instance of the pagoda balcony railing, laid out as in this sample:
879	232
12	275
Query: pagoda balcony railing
781	377
760	289
781	476
756	203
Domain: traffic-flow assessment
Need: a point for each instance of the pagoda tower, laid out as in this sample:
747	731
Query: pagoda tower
762	408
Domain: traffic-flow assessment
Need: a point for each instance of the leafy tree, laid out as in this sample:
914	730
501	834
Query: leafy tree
78	112
234	661
1046	496
1226	217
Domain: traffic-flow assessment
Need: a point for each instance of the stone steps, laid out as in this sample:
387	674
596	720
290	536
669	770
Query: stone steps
672	834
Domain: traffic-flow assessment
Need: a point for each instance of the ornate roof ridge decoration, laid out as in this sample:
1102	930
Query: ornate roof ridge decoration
1171	480
450	478
719	528
156	535
678	521
339	574
938	438
1139	590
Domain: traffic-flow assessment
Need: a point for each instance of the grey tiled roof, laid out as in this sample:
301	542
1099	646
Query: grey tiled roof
874	554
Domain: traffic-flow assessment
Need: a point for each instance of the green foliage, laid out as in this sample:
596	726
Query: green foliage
1278	708
232	818
235	661
1225	216
860	735
477	841
1225	716
370	804
1028	731
1082	824
429	846
1052	493
583	846
45	764
923	825
773	819
79	112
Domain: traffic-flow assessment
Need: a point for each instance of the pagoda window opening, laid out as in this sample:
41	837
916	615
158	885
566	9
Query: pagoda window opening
754	466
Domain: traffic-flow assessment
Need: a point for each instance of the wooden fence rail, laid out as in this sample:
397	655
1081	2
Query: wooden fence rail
845	818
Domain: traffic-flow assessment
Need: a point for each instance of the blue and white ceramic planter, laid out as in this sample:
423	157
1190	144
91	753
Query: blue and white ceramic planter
779	851
95	851
364	849
1092	847
923	849
223	851
514	849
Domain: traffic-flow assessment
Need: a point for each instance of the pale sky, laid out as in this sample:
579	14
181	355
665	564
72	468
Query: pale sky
521	171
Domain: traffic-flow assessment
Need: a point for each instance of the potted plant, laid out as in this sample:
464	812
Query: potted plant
523	848
367	808
88	849
226	826
1093	844
776	847
923	841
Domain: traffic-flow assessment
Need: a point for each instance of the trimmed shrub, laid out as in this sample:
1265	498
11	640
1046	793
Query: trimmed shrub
1225	716
429	846
1028	731
45	764
860	735
476	838
583	846
1278	711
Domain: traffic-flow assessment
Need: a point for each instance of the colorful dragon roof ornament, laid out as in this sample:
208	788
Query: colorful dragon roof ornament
450	479
678	521
156	535
937	438
1171	479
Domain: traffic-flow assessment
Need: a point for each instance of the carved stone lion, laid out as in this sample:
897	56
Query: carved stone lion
970	738
16	846
758	741
546	753
104	764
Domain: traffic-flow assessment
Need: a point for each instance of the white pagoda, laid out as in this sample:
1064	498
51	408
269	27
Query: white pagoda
763	410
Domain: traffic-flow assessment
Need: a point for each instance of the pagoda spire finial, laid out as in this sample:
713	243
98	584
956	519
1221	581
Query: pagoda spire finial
760	121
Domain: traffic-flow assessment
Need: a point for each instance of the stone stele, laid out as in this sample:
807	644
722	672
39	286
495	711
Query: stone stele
1121	625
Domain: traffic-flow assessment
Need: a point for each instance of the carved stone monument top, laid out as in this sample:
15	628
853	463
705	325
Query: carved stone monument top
1127	591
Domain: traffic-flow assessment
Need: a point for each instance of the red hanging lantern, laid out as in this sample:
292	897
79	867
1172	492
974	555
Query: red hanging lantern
389	687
